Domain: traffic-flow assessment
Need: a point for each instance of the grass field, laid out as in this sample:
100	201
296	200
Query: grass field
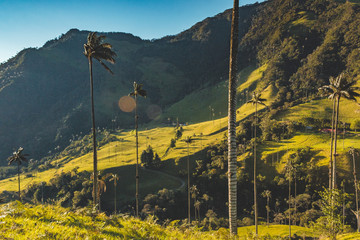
51	222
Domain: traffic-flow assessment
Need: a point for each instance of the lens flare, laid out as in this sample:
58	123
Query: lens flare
126	104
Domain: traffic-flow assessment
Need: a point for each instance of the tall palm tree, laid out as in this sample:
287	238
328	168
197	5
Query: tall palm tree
114	177
289	168
267	194
232	161
256	99
188	141
138	91
354	152
338	87
18	157
95	48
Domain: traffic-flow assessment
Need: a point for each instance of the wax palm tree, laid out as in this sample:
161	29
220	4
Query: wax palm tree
188	141
101	179
256	99
194	193
354	152
18	157
114	177
267	194
94	48
232	160
338	87
289	169
138	91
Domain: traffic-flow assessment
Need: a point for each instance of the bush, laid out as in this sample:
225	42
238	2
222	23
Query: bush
149	159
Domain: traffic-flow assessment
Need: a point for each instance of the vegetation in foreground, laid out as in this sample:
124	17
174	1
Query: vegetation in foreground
18	221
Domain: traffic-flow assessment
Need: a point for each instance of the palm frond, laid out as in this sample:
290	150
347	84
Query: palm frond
104	65
98	50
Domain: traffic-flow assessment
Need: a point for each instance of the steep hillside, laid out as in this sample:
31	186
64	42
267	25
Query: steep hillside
44	93
44	96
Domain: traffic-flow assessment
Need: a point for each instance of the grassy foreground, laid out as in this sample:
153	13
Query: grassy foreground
18	221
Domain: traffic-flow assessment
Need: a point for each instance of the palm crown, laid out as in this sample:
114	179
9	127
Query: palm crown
340	87
18	157
138	91
114	177
94	48
256	99
188	140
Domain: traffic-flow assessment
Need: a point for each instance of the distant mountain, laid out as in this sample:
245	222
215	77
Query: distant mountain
44	93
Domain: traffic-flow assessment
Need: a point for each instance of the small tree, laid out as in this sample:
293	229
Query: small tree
356	125
172	143
194	194
330	224
101	179
267	194
149	159
178	134
114	177
18	157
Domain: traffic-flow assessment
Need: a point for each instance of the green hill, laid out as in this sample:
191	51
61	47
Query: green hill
288	49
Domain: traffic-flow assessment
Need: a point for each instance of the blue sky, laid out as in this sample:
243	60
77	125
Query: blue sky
26	23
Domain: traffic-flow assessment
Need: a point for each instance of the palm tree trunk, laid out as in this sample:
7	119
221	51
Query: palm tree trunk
331	144
290	205
255	189
356	193
115	195
267	210
334	184
295	206
18	170
95	183
188	178
137	159
232	161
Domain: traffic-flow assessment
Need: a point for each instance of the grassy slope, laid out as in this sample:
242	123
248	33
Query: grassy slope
119	156
19	221
122	153
50	222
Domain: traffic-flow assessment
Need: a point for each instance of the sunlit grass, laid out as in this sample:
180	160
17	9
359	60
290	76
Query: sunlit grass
276	231
52	222
322	109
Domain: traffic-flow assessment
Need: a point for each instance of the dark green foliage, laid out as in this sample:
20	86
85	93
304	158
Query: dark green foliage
150	159
330	224
356	125
70	189
172	143
164	204
273	130
178	134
